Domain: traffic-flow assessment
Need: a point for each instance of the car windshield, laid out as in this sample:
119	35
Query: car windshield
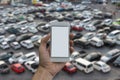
34	66
111	34
19	67
108	55
70	67
104	65
4	66
24	57
89	66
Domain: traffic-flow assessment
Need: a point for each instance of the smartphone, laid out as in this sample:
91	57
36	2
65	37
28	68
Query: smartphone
60	42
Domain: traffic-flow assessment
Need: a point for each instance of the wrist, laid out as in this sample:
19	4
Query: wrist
43	71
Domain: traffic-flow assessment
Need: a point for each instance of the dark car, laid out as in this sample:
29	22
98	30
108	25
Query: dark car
44	29
94	56
77	35
82	53
108	15
109	43
99	1
68	17
117	62
82	44
4	68
6	55
13	31
24	37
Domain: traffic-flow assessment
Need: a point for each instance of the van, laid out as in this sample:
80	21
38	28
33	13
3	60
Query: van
83	65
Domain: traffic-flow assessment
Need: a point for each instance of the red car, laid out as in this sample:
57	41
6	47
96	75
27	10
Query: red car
77	28
69	68
18	68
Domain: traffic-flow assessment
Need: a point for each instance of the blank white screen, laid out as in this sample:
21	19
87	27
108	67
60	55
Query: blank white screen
60	42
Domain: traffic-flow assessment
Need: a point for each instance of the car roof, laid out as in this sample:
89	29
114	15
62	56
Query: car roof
2	62
83	61
29	54
96	39
113	51
100	62
17	65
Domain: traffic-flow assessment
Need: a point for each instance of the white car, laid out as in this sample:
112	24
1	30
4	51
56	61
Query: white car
23	30
32	30
10	38
2	38
96	42
113	34
117	40
83	65
90	27
27	44
86	2
27	57
15	45
101	66
32	66
88	36
110	55
74	56
35	38
4	45
107	22
15	57
30	19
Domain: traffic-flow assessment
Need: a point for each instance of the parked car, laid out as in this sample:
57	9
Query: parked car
113	34
110	56
24	37
2	31
77	35
15	58
115	1
116	23
15	45
109	42
68	17
69	68
82	43
32	30
99	1
2	38
17	68
27	44
27	57
4	45
107	22
32	66
77	54
4	68
44	29
6	55
117	62
11	38
13	31
96	42
86	2
83	65
35	38
101	66
93	56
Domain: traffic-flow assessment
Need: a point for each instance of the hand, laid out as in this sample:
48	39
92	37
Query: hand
52	67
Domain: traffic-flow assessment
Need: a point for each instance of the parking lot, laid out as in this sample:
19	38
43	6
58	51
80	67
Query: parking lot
114	74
